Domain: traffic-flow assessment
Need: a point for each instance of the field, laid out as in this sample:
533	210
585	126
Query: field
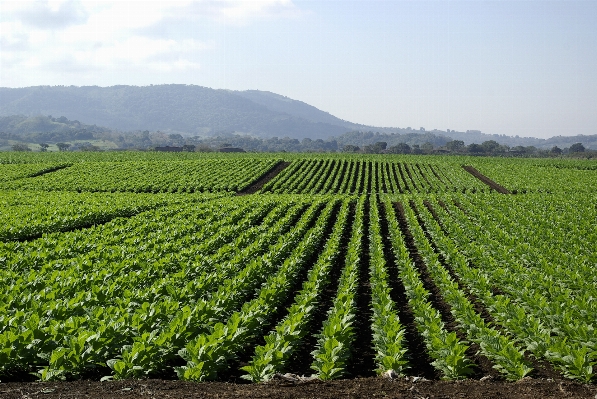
239	268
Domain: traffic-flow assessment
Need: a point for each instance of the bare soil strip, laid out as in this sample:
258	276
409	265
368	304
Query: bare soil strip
257	185
500	189
354	388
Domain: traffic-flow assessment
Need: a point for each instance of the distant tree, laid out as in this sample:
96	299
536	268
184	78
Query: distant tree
188	148
350	148
455	145
556	150
43	147
475	148
203	148
491	146
577	147
531	149
400	148
416	149
382	145
62	146
90	147
427	147
20	147
376	148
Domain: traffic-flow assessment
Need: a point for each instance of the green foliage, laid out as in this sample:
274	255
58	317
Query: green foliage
139	283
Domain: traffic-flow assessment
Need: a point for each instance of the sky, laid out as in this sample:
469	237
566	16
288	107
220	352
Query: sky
526	68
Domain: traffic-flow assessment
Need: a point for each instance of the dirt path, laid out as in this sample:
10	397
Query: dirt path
486	180
253	188
355	388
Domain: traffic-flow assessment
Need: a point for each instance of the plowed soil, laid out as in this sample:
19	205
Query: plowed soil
500	189
356	388
253	188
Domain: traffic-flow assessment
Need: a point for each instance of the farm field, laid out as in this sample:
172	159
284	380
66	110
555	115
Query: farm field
238	268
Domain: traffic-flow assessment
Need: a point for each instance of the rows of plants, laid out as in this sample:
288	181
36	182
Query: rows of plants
29	214
199	286
72	301
507	358
202	286
363	176
541	176
10	172
205	175
540	301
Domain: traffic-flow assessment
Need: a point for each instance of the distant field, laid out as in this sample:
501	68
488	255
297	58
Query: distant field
219	267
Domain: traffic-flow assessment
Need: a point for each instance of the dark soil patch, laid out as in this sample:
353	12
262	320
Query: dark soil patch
259	183
500	189
355	388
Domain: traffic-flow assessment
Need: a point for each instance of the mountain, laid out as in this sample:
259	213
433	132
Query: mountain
186	109
286	105
192	110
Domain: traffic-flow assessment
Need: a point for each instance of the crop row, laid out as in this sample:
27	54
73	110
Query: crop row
207	175
17	171
542	176
29	214
235	285
349	176
545	293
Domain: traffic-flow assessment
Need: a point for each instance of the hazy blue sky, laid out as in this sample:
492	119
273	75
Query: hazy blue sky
507	67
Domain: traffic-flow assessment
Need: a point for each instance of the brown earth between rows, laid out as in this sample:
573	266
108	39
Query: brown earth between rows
355	388
500	189
257	185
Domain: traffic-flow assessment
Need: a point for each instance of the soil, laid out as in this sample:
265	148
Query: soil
355	388
486	180
257	185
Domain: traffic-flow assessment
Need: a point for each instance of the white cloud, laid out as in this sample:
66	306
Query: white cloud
241	12
110	35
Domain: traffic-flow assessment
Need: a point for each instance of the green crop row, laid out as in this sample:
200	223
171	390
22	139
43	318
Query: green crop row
352	176
29	214
208	175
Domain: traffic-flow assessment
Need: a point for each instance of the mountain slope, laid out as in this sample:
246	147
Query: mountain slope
176	108
283	104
